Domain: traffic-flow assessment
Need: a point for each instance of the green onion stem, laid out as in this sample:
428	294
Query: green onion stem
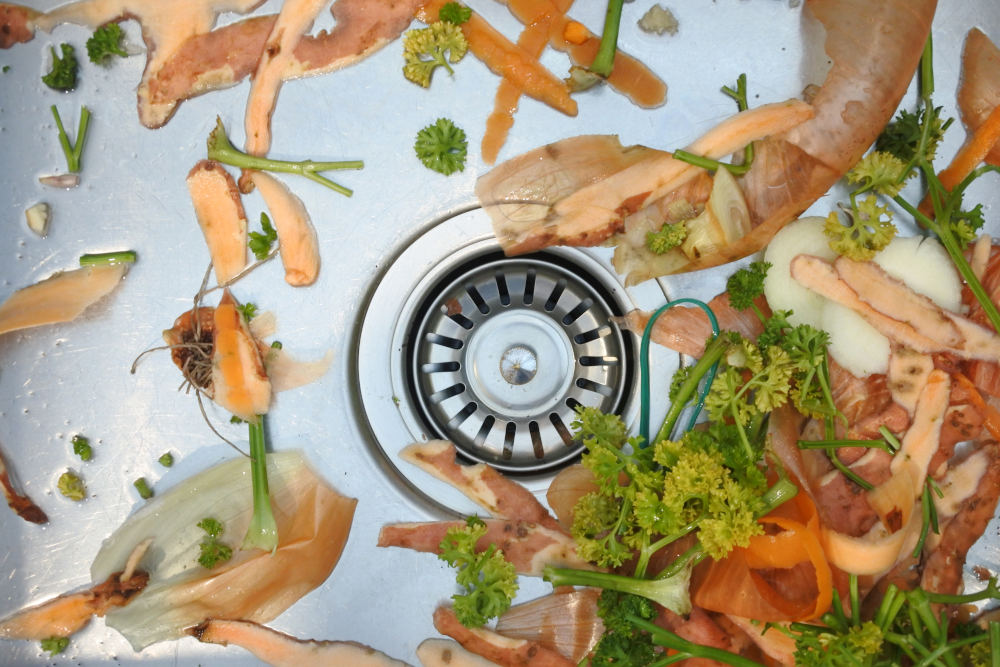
100	258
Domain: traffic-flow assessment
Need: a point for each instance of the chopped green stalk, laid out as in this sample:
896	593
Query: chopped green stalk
73	152
142	486
604	61
670	592
835	444
166	460
263	530
687	649
740	95
100	258
82	448
222	150
582	78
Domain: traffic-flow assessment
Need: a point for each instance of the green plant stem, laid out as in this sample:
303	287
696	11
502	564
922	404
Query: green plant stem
100	258
688	649
604	60
73	152
222	150
263	530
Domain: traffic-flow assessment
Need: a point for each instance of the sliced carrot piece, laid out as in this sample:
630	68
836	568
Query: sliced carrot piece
506	59
239	381
575	32
972	153
59	298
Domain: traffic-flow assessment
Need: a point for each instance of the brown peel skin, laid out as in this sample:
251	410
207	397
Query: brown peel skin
495	647
22	505
16	24
281	650
66	614
979	84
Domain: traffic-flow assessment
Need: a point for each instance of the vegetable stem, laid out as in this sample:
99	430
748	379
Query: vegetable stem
102	258
604	60
263	530
73	152
222	150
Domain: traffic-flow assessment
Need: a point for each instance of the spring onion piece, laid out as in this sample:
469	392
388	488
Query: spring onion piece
263	530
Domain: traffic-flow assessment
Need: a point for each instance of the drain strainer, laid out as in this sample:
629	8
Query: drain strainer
457	341
503	350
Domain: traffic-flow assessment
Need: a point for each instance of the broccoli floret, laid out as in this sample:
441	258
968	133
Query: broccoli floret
82	448
212	551
869	230
71	485
62	76
489	580
442	147
105	42
426	49
669	237
55	645
222	150
453	12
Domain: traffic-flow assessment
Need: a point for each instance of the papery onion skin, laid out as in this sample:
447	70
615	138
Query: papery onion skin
564	621
566	488
313	524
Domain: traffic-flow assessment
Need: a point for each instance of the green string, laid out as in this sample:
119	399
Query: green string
644	368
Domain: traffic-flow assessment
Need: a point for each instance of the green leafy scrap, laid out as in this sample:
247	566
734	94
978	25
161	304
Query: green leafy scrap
669	237
63	73
488	580
441	44
212	551
442	147
453	12
261	242
105	42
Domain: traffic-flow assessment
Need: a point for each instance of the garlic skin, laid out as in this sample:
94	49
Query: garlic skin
38	217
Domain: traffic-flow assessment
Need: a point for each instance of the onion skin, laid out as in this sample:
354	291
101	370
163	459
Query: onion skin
571	484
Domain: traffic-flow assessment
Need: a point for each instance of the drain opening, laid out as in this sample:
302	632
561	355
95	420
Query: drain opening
501	351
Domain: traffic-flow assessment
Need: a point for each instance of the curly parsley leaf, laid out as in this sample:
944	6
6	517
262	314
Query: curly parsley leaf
442	147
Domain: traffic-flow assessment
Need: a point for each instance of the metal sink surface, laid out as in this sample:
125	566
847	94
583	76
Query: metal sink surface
59	380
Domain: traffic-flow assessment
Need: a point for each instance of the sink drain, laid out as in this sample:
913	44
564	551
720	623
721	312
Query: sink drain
503	350
494	353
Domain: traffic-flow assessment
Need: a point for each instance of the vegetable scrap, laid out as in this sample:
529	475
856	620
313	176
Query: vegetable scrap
22	505
488	579
82	447
105	43
442	147
426	49
142	488
63	70
214	552
72	486
313	520
281	650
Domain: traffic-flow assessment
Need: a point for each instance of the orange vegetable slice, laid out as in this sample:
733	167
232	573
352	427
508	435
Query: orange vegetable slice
239	380
59	298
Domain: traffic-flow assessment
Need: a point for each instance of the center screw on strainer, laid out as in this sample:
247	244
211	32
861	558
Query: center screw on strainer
503	350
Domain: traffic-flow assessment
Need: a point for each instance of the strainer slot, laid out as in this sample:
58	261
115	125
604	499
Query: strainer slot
553	300
529	288
502	292
560	427
577	312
